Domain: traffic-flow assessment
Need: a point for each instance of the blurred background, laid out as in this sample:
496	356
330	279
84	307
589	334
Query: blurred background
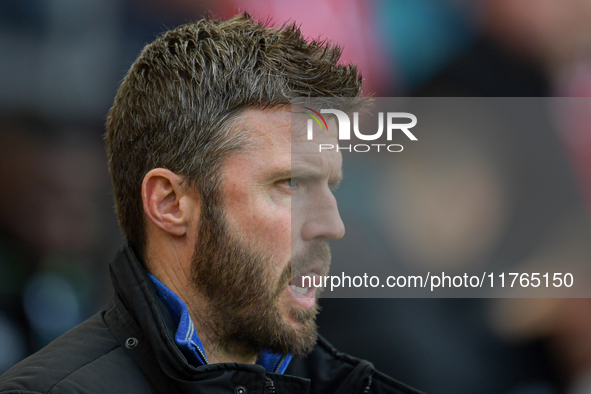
60	65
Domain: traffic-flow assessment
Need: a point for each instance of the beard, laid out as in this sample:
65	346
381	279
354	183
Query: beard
238	282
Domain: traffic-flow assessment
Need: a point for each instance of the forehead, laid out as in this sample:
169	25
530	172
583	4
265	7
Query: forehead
278	145
267	127
285	129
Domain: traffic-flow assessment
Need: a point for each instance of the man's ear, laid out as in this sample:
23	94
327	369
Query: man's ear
169	204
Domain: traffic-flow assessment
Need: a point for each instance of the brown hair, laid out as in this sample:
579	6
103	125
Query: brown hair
178	103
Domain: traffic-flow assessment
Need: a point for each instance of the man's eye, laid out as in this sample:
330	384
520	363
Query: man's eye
291	183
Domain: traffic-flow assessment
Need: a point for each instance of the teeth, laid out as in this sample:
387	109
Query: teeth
301	290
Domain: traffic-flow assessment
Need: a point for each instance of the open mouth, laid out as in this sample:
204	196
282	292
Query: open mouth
301	290
307	283
303	285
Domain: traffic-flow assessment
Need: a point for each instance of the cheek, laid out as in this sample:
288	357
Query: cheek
262	221
273	228
275	231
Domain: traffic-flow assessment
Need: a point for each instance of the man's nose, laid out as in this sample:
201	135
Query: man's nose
323	221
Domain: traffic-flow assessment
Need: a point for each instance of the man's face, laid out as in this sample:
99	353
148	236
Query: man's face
269	227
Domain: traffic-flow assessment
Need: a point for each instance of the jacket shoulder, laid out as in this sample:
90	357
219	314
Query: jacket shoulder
86	359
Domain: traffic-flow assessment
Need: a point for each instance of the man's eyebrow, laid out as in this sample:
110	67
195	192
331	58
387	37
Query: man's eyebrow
309	174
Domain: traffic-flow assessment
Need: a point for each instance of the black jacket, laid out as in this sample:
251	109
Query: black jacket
130	348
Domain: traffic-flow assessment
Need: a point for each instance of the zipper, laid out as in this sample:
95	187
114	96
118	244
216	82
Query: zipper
279	365
203	357
368	385
269	385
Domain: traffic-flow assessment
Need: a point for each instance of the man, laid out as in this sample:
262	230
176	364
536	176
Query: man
224	211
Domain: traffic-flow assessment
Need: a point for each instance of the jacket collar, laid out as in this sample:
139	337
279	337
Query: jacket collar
139	312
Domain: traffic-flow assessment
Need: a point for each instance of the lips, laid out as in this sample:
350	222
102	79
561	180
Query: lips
307	300
307	271
301	286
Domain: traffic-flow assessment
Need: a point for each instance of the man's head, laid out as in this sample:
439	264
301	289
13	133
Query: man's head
176	107
204	113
